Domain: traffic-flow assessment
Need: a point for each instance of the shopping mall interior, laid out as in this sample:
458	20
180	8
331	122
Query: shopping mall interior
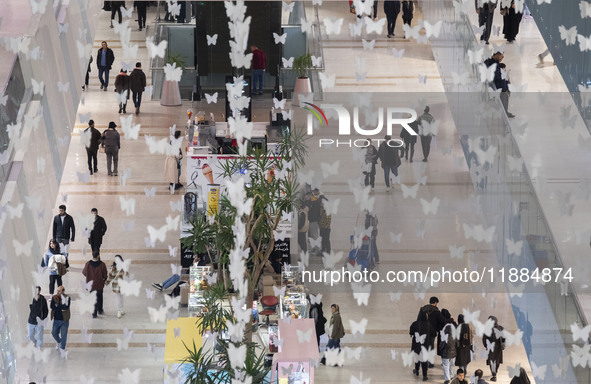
497	199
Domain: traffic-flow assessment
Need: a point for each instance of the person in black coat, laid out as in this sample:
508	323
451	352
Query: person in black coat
390	159
317	314
116	8
104	61
85	86
485	10
500	83
93	146
137	84
494	344
408	9
141	6
511	21
38	310
423	336
409	141
465	347
122	88
98	231
391	9
63	228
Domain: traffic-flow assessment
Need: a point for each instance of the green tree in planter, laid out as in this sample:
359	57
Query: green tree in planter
272	197
302	64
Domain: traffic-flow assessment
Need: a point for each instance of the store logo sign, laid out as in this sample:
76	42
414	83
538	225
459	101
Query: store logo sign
394	117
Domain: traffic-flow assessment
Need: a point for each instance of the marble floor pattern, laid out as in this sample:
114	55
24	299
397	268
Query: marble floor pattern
388	320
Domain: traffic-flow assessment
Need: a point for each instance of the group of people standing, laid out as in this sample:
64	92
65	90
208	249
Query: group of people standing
389	155
511	19
314	223
392	9
432	324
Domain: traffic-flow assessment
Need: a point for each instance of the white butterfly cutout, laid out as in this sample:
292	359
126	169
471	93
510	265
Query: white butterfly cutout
584	43
279	39
157	315
514	371
360	77
374	26
360	380
172	72
408	358
358	327
433	29
475	56
20	248
316	61
487	74
462	6
287	63
237	355
539	371
580	333
585	8
150	192
331	259
129	377
512	339
38	6
84	117
422	79
280	235
288	7
279	104
176	205
427	355
305	258
333	26
37	87
157	50
174	8
515	163
121	28
462	79
368	45
457	252
126	12
331	207
130	288
304	337
127	205
330	169
15	211
357	28
514	247
86	301
398	53
395	238
430	207
130	50
306	26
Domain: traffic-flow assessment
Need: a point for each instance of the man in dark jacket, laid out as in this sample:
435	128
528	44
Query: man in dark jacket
141	6
38	310
60	313
391	9
390	159
104	60
485	10
98	231
433	316
96	271
499	82
93	146
63	228
426	136
478	374
137	83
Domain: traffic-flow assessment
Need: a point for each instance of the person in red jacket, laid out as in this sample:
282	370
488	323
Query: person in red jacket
259	63
96	271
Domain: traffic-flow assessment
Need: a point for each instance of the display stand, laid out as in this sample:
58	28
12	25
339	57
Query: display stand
292	364
293	303
197	283
171	94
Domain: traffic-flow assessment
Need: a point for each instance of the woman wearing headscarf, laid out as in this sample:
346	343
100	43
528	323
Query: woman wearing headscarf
494	344
465	347
423	335
116	274
522	378
447	346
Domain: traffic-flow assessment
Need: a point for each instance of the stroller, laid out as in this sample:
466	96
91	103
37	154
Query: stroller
363	256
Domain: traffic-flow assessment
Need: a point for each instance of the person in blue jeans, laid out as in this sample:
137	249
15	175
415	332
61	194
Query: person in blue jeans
388	154
172	280
60	309
259	63
104	61
38	313
336	330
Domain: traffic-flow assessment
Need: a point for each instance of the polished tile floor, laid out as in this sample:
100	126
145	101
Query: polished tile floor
388	315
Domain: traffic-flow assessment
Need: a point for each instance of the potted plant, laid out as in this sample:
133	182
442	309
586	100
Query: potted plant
171	94
301	65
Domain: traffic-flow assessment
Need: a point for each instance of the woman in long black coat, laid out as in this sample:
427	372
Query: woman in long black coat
463	356
511	21
421	327
495	354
